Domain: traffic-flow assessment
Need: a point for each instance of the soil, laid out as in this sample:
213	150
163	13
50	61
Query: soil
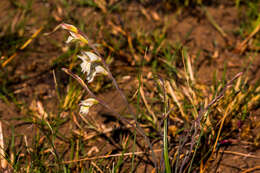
30	74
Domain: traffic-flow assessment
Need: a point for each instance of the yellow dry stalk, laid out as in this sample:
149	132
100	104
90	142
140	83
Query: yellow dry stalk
193	100
227	112
35	34
170	90
254	101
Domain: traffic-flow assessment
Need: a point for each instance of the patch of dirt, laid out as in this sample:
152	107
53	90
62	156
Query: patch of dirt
32	76
214	51
238	160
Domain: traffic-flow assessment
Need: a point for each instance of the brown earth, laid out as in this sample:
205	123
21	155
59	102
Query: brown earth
30	74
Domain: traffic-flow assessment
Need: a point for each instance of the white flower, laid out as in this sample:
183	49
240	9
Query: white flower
92	57
88	58
86	104
85	65
91	65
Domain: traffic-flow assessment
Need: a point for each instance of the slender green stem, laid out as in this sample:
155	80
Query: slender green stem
165	147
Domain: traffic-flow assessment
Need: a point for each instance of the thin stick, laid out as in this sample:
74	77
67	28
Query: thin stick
94	164
242	46
251	169
109	156
240	154
56	85
147	105
2	152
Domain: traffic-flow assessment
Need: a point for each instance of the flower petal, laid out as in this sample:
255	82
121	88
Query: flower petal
95	68
69	27
85	67
93	57
91	76
70	38
100	69
86	64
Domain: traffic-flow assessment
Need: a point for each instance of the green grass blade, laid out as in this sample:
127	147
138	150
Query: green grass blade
165	148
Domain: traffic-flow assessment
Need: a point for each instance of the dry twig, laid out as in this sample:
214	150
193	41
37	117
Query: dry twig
109	156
